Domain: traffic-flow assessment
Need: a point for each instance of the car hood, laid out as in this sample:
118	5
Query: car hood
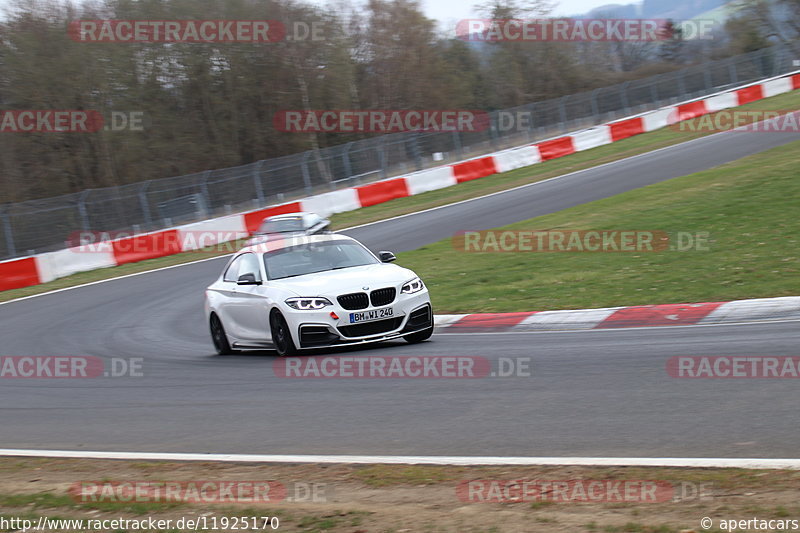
335	282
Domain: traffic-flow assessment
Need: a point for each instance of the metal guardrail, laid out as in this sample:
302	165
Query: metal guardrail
43	225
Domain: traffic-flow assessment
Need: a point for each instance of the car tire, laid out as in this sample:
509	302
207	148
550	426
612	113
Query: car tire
281	336
219	338
419	336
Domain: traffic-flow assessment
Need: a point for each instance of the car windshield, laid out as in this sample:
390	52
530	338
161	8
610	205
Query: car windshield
282	225
308	258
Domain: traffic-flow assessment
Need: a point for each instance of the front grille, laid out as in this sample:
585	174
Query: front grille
371	328
353	301
380	297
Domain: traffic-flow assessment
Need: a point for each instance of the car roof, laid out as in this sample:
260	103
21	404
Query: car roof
294	240
296	214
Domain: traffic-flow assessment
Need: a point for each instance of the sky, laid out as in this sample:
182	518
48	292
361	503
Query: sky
449	12
454	10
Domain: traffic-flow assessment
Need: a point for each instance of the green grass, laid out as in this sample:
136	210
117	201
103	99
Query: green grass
497	182
48	500
386	475
748	207
541	504
41	500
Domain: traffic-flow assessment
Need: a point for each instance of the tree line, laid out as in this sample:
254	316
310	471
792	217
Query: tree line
211	105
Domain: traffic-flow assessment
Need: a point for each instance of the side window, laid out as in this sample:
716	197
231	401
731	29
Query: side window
232	274
249	265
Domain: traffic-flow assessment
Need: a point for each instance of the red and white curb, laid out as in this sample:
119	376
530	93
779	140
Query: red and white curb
695	462
755	310
42	268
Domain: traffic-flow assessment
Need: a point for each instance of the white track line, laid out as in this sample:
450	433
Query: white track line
694	462
444	330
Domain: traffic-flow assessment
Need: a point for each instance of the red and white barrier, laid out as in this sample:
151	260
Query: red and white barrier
660	118
62	263
210	232
515	158
430	180
776	87
474	169
49	266
783	308
691	110
333	202
382	191
626	128
749	94
592	138
556	148
19	273
721	101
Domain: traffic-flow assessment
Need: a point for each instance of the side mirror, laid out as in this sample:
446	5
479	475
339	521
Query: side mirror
386	257
248	279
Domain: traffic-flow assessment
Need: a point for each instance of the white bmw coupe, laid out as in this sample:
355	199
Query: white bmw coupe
314	292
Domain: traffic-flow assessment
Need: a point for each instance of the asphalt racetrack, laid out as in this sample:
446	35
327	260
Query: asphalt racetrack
591	393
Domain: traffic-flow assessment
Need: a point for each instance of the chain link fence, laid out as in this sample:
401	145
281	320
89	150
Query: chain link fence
43	225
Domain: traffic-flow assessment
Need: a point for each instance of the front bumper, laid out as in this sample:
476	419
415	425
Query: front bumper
317	329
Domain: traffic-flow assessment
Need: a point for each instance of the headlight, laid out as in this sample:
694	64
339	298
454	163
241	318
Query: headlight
415	285
307	304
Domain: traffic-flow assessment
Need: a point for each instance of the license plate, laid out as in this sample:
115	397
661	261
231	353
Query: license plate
375	314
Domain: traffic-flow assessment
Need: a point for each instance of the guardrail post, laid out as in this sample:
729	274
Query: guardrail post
595	106
530	118
732	71
306	173
681	83
382	158
12	251
145	204
257	182
562	112
777	59
205	194
457	143
415	150
654	90
624	97
82	209
348	166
